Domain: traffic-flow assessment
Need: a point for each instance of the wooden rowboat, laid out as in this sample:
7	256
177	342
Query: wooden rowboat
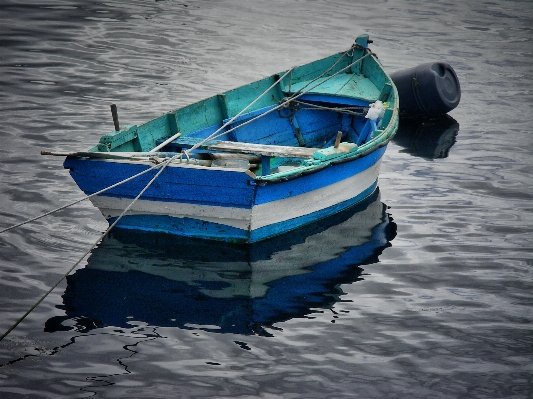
253	162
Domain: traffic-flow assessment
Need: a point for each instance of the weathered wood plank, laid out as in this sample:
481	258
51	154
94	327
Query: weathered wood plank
247	148
262	149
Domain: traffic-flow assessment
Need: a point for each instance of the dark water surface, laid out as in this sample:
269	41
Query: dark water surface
424	292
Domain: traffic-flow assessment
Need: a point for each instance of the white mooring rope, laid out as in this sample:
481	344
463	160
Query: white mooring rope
80	200
163	166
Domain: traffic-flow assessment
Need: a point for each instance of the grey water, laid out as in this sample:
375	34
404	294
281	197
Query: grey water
423	291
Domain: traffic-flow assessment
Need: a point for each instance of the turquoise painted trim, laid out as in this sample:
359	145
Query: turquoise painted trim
344	86
364	85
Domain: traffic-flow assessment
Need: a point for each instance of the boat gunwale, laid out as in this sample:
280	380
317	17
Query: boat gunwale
309	164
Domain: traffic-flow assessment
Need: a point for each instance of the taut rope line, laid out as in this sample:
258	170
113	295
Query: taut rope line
80	200
163	166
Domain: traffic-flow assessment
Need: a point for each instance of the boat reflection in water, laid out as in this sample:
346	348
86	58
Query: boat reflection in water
427	137
164	280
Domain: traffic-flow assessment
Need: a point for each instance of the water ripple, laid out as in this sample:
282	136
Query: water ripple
444	310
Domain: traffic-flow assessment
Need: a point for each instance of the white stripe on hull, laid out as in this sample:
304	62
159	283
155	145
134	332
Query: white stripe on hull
242	218
234	217
313	201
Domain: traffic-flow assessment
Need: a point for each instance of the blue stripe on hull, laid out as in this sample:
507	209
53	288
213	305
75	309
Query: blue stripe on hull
326	177
205	186
282	227
201	186
186	227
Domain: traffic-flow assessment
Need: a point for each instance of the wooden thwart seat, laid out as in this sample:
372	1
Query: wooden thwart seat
263	149
249	148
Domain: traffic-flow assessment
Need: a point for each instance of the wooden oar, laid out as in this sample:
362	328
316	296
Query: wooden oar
134	156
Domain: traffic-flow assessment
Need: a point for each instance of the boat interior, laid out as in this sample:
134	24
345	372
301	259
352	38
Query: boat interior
273	124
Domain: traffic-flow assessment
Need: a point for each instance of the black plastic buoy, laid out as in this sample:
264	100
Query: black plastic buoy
427	89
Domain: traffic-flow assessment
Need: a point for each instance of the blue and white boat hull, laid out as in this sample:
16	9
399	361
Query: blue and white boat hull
253	162
220	203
